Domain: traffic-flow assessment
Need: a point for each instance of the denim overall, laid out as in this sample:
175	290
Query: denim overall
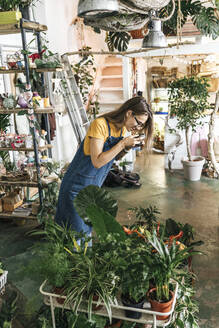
81	173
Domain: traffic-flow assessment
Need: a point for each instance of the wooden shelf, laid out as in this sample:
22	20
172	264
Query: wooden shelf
25	149
25	183
38	70
9	215
15	28
47	110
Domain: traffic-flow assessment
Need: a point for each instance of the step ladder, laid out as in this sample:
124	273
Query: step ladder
73	100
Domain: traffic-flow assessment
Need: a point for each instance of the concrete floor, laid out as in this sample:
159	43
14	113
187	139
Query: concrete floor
194	202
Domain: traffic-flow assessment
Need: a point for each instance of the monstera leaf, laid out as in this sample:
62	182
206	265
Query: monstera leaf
118	40
96	196
104	223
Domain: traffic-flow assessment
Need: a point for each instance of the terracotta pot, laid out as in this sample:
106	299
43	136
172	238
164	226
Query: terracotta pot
94	306
59	291
160	307
138	34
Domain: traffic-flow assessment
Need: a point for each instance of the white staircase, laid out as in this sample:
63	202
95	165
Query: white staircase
111	84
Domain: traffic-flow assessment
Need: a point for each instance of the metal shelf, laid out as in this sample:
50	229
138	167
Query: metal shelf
148	316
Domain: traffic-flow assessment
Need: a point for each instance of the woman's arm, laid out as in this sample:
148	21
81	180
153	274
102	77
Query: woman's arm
100	158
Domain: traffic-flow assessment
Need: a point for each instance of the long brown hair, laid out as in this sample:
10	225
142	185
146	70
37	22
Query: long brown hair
138	106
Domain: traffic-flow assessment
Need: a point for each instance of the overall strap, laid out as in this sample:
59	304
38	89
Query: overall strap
108	127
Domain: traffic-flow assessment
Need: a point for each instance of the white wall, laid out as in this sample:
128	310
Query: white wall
63	36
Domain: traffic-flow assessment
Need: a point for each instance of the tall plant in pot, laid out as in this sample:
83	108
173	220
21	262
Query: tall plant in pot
188	100
165	268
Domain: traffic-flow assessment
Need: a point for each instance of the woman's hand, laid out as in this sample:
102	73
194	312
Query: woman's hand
132	141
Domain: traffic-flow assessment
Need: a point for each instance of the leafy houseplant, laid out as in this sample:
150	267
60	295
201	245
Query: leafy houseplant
188	99
90	276
165	267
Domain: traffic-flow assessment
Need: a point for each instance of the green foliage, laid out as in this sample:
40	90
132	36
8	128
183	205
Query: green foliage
50	261
145	217
103	222
1	268
118	41
8	310
188	99
207	22
186	309
8	5
165	263
90	276
129	258
204	18
96	196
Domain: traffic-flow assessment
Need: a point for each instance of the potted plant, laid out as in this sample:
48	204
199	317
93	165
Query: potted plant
9	13
91	278
188	100
166	259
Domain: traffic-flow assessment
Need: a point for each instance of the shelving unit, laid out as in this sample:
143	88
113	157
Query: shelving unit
148	316
22	27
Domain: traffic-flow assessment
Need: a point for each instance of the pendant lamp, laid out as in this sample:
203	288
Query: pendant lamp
155	38
88	8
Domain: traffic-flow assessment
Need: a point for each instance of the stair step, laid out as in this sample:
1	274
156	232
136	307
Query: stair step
112	64
111	89
111	77
114	102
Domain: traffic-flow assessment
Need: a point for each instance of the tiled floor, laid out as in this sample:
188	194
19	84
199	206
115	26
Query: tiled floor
194	202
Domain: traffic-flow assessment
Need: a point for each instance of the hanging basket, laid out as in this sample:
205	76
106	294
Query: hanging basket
118	23
139	34
145	4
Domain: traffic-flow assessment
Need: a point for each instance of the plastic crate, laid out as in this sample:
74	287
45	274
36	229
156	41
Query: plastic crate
3	280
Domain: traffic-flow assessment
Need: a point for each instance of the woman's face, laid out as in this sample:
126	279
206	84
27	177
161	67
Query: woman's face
135	122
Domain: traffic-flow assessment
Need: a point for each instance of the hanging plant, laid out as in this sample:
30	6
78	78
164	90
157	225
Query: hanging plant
203	18
118	40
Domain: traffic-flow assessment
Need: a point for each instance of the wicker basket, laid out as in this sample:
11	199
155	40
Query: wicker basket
3	280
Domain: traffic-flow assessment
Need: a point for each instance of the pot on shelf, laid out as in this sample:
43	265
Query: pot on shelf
132	314
158	306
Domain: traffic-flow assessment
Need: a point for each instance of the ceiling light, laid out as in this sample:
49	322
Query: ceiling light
88	8
155	37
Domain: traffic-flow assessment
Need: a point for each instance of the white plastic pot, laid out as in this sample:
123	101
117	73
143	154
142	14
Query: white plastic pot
193	169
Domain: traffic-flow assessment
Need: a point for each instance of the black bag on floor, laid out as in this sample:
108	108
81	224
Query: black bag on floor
117	178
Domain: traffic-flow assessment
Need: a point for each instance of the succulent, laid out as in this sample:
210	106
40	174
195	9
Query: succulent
9	102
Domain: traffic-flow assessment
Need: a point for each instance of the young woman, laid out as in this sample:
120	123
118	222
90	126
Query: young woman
103	143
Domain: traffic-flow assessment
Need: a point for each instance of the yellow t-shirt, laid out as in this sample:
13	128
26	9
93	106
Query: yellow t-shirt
99	129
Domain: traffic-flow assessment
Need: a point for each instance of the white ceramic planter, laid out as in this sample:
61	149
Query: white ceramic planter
193	169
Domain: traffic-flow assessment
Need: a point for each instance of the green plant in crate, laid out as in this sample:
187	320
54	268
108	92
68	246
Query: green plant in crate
186	309
50	261
146	217
90	276
165	264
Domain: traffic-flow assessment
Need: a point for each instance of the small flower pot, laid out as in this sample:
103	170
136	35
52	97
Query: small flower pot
59	291
132	314
158	306
96	307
